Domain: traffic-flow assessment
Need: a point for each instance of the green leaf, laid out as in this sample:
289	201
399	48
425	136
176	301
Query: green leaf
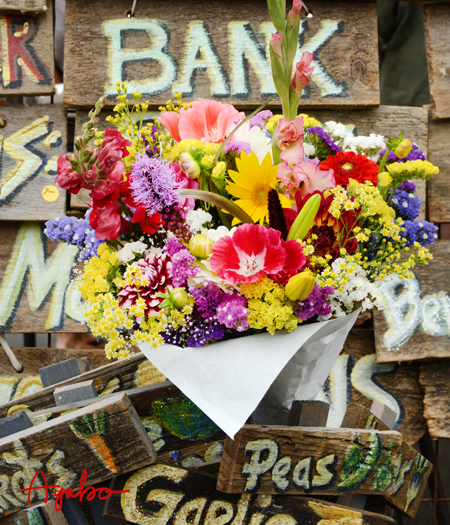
219	201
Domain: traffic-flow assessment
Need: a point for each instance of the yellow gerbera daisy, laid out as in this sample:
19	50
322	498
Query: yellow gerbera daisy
251	185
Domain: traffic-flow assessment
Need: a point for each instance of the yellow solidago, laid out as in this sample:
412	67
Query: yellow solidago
268	306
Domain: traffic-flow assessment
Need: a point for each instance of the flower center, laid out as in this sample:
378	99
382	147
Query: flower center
261	195
348	166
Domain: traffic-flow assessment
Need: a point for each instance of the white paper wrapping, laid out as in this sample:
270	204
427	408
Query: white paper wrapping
227	380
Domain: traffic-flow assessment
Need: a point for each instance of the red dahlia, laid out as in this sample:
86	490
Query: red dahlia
351	165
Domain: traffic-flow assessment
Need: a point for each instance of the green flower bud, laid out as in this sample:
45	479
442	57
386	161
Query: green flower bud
178	297
200	246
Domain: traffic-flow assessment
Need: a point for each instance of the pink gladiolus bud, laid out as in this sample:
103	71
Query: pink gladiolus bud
294	13
302	72
276	44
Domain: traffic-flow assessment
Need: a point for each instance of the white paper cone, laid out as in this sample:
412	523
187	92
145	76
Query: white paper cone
228	379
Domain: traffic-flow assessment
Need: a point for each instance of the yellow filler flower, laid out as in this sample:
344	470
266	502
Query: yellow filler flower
252	183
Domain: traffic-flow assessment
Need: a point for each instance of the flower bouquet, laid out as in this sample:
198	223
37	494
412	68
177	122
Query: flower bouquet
237	251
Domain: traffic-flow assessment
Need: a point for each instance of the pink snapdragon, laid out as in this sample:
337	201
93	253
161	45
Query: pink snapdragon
290	139
302	72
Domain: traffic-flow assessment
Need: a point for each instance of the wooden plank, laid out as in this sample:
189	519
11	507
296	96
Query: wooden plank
209	50
34	294
26	54
194	494
439	185
23	6
136	371
33	137
299	460
437	38
412	472
434	379
413	324
104	439
357	377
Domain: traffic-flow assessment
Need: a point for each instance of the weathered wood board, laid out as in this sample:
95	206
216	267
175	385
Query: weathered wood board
357	377
31	140
104	439
302	460
192	492
26	54
437	37
213	50
439	185
34	294
14	385
434	379
414	323
410	477
134	372
24	6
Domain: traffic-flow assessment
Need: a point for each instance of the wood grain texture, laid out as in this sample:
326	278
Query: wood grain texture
412	472
194	494
215	50
434	379
26	54
302	460
439	185
105	439
34	294
357	377
32	140
437	38
413	324
23	6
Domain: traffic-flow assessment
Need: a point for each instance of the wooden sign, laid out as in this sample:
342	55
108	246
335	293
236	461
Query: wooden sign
26	55
14	385
182	494
302	460
414	323
437	36
136	371
439	185
31	140
34	294
104	439
412	471
358	377
24	6
434	379
203	50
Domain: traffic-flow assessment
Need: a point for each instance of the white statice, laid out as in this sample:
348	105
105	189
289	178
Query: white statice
259	142
127	253
336	129
358	292
310	150
196	219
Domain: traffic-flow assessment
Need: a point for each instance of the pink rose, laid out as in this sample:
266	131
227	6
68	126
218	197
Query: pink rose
302	72
290	139
67	178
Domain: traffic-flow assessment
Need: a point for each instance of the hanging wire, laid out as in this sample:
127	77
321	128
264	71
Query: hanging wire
308	12
133	9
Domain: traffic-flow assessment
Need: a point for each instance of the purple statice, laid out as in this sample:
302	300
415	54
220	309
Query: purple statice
74	231
233	312
207	298
406	204
173	246
153	183
238	147
197	331
407	186
414	154
183	267
323	143
260	118
423	232
315	304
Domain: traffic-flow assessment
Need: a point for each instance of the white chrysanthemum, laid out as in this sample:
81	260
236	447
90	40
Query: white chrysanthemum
260	143
197	218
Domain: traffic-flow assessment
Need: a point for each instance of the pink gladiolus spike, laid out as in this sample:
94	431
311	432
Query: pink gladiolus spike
276	44
294	13
170	120
302	72
290	139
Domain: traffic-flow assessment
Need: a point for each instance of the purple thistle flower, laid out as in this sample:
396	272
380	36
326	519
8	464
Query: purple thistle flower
238	147
153	183
260	118
315	304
